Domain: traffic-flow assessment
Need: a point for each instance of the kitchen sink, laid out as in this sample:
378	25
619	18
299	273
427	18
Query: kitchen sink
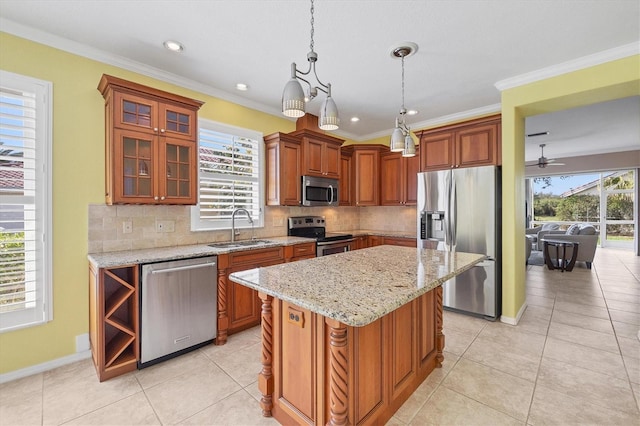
237	244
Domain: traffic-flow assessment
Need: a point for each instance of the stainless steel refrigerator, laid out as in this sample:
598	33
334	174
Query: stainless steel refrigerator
460	210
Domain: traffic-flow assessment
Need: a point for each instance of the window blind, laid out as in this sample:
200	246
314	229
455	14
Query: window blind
24	210
229	177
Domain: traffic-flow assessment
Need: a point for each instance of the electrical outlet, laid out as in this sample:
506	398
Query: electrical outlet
165	225
127	227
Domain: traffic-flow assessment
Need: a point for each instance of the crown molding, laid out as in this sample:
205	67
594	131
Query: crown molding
85	51
599	58
438	121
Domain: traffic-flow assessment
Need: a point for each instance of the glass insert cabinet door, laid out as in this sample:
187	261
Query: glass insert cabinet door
134	176
178	171
136	113
177	122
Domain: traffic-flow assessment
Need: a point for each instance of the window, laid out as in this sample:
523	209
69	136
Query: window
230	177
25	209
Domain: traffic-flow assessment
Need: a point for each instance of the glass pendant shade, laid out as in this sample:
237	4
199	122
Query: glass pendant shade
409	146
328	119
397	140
293	99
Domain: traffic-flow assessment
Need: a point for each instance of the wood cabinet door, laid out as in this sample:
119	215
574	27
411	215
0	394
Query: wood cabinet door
437	151
344	186
135	113
133	177
410	182
366	183
391	179
313	157
331	167
477	146
178	122
177	172
290	183
375	240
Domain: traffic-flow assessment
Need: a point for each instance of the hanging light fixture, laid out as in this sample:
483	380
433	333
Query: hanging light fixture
401	137
294	98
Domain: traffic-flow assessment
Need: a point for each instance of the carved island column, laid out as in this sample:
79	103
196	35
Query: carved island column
439	333
265	377
223	319
338	373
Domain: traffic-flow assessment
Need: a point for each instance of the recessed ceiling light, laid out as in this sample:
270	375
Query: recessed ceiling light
242	87
412	112
174	46
355	119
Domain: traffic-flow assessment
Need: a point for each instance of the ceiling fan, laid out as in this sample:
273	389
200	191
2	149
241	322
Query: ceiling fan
544	161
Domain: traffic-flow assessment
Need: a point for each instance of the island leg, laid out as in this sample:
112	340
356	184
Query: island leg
265	378
223	319
338	373
439	333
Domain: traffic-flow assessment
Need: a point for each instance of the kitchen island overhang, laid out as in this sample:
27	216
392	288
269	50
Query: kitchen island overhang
347	338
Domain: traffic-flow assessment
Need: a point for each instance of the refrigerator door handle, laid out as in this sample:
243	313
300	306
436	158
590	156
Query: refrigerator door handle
453	213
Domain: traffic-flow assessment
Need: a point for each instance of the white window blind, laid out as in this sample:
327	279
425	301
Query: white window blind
229	177
25	188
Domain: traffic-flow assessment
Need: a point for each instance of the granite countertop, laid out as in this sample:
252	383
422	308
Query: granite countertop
131	257
361	286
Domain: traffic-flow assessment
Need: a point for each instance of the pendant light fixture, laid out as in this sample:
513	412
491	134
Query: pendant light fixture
294	98
401	137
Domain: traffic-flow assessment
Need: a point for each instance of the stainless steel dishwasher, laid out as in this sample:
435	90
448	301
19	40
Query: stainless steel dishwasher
178	307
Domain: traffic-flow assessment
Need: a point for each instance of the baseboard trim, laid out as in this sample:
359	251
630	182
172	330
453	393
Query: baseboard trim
514	321
45	366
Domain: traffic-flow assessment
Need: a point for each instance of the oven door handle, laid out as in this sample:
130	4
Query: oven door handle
326	243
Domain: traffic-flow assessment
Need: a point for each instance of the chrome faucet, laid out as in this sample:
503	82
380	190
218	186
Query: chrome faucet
233	222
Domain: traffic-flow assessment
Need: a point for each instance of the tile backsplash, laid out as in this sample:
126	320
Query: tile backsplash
130	227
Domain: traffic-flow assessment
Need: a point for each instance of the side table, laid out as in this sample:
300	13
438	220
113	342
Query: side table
561	246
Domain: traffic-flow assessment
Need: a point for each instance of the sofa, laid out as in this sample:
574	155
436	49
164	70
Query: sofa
533	233
582	233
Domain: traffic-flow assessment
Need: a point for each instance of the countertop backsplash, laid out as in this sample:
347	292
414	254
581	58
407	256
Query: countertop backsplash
107	224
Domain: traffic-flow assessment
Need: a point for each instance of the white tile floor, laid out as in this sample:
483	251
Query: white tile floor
574	358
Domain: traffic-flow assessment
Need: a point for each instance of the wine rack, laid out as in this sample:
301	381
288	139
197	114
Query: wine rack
113	313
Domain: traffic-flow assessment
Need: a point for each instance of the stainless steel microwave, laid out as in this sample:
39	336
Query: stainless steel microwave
319	191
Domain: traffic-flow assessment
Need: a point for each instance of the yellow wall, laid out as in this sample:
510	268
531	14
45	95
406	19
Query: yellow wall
612	80
78	180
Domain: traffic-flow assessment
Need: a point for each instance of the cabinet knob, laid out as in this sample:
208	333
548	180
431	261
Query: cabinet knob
155	198
162	198
155	129
161	130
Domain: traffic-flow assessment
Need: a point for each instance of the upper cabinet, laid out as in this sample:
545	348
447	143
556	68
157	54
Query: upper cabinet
305	152
283	160
469	144
151	144
366	174
398	179
320	154
345	189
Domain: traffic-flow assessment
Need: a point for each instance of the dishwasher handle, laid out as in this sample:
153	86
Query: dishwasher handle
183	268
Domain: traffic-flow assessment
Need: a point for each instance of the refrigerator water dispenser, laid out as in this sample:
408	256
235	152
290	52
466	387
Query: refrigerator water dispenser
432	225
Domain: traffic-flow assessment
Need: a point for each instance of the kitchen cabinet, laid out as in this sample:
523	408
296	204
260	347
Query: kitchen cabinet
299	252
375	240
399	179
345	188
360	242
320	154
113	319
469	144
151	144
239	306
283	169
366	175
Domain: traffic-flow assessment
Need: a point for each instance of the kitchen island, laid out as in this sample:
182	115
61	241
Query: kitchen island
347	338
